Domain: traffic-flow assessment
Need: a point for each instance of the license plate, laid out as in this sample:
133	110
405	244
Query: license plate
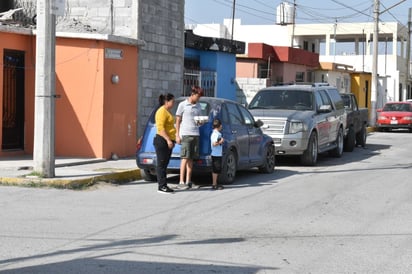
394	122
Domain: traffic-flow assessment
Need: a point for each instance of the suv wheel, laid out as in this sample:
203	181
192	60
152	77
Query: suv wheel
229	166
350	140
310	156
338	150
147	175
269	160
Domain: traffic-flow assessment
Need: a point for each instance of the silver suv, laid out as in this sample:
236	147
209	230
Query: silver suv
303	120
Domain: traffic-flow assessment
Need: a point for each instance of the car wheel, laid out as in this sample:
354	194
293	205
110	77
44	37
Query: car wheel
310	156
338	150
361	136
147	175
269	160
350	140
229	166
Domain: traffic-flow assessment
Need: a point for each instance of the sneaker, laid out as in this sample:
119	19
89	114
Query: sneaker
166	190
182	186
218	187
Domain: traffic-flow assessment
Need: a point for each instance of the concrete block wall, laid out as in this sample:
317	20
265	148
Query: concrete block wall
248	87
161	60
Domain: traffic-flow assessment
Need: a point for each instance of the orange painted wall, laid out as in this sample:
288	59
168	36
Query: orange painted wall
93	116
27	44
120	103
247	69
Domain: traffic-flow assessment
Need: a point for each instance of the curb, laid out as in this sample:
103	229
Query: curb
78	183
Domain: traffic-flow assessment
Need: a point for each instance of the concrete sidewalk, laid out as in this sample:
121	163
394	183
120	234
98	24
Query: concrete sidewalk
71	173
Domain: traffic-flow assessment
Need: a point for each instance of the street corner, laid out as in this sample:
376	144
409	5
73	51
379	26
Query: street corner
118	177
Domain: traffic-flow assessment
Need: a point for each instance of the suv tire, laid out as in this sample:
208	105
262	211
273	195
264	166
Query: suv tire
338	150
310	156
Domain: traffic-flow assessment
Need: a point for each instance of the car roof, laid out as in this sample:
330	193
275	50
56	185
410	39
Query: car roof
399	102
299	87
210	100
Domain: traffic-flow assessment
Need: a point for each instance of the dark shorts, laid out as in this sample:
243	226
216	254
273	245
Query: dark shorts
189	147
216	164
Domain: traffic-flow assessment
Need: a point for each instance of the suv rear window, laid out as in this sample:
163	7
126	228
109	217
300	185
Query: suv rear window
204	106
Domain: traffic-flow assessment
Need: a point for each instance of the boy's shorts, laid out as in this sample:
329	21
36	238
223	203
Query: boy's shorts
189	147
216	164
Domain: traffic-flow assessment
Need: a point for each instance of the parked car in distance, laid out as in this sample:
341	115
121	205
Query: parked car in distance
356	123
303	120
245	146
395	115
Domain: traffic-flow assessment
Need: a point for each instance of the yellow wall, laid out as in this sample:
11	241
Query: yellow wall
361	87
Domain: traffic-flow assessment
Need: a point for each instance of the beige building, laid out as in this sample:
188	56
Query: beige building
349	44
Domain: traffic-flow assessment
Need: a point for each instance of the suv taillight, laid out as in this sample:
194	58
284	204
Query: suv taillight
139	144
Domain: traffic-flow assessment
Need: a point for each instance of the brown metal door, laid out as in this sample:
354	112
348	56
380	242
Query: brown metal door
13	100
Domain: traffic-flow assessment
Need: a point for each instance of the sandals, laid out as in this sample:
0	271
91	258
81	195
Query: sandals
217	187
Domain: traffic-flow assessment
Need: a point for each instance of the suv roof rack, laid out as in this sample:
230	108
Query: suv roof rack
320	84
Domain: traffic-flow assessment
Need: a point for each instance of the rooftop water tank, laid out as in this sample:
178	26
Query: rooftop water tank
285	13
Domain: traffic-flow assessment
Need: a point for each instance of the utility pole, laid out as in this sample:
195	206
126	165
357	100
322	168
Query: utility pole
374	89
408	57
43	151
233	18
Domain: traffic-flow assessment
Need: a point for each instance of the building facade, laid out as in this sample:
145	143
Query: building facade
345	43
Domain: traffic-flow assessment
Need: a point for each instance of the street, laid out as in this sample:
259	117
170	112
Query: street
345	215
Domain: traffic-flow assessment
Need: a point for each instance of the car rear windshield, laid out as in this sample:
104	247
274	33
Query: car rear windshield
282	99
397	107
204	106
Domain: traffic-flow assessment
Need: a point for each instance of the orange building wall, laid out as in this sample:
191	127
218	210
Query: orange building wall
93	116
246	69
27	44
120	103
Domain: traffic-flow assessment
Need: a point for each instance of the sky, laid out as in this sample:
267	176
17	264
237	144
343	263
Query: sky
263	12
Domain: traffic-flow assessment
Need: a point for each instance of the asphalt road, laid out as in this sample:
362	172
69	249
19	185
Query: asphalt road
346	215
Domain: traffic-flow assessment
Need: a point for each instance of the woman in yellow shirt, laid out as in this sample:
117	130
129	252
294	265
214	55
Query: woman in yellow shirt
165	139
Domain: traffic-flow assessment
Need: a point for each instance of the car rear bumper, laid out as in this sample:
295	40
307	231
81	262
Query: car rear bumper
148	161
408	126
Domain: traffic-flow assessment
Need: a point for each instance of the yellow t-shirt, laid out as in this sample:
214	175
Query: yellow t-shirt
165	120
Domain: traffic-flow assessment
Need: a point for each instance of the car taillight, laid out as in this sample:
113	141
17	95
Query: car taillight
139	144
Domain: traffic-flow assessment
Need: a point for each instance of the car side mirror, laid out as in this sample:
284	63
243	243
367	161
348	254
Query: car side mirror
325	108
258	123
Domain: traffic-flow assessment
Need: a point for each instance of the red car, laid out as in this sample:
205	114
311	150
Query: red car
395	115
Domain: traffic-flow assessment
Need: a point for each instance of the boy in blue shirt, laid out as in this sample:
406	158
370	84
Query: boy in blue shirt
216	141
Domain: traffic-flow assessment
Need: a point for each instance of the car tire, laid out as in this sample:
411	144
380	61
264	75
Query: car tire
350	140
338	150
147	175
229	167
269	161
310	155
361	136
